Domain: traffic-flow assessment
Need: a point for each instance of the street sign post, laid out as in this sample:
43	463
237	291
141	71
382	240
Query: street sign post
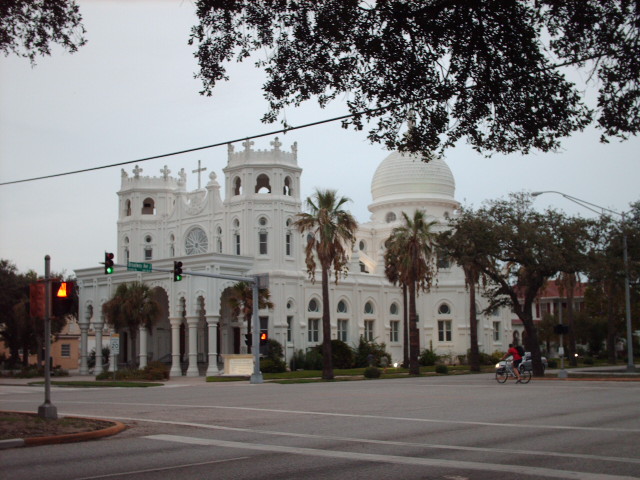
139	266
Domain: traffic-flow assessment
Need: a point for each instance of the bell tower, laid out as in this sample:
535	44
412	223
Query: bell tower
262	199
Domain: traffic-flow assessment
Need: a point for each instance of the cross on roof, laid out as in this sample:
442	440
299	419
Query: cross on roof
165	172
247	144
136	171
276	144
199	170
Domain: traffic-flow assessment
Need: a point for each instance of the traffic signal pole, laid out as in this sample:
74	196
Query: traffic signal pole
47	409
257	282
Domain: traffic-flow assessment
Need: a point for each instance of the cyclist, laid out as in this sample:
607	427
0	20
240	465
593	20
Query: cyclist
517	359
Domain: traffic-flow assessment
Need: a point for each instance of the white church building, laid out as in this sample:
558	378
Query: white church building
245	228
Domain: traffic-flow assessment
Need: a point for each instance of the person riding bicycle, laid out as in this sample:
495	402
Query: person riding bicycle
517	359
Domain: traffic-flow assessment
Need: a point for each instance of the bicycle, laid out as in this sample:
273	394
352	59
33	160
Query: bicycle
504	370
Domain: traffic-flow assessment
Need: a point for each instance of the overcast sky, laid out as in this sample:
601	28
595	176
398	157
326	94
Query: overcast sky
130	93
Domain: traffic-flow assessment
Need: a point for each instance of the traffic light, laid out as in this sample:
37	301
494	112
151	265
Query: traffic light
61	298
108	263
264	337
177	271
248	339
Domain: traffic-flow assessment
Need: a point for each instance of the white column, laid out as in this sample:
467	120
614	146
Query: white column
84	346
176	370
212	323
98	328
113	359
143	348
192	324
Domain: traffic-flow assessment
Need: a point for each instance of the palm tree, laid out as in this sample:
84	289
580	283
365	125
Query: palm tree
410	247
241	301
132	306
330	231
461	248
391	272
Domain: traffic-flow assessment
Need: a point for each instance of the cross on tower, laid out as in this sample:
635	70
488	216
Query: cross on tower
247	144
276	144
136	171
198	171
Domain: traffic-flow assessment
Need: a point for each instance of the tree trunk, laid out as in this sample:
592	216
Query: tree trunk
474	357
532	344
327	360
414	339
611	326
405	340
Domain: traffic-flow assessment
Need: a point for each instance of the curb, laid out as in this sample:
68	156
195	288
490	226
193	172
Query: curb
117	427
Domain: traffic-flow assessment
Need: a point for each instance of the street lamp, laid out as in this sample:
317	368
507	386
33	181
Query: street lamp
625	258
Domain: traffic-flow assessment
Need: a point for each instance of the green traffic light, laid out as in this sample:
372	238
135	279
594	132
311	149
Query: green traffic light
178	278
109	270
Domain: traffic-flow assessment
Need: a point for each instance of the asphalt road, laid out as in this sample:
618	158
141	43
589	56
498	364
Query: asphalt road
454	428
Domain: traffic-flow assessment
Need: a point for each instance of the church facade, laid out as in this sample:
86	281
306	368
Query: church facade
246	229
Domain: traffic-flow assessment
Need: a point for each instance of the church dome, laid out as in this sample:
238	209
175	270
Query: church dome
404	176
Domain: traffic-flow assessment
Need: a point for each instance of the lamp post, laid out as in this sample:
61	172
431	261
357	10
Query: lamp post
625	259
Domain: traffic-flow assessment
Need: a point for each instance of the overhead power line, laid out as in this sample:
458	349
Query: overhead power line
195	149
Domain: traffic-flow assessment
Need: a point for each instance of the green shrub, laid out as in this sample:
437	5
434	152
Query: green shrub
371	372
313	360
156	371
273	350
270	365
428	357
364	349
552	363
442	369
297	361
342	354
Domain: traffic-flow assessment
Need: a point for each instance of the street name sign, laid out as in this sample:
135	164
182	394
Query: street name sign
139	266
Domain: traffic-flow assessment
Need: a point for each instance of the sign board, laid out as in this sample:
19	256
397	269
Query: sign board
115	344
238	364
139	266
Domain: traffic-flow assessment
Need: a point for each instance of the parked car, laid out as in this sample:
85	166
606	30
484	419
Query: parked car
527	362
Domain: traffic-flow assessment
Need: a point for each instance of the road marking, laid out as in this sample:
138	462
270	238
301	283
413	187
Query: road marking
359	456
371	417
509	451
161	469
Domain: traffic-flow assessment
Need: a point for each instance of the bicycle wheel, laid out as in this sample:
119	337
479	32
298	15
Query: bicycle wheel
501	375
525	376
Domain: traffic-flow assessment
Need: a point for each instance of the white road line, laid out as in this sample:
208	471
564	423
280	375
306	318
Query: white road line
493	450
161	469
359	456
371	417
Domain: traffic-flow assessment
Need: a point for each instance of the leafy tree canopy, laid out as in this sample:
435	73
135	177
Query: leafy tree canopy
491	72
29	27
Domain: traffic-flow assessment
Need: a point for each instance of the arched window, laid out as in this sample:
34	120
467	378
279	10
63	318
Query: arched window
362	246
391	217
368	308
444	309
148	206
127	208
237	186
342	306
287	190
219	239
313	306
393	309
262	184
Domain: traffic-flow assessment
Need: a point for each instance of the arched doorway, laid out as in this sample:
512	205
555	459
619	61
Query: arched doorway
159	345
